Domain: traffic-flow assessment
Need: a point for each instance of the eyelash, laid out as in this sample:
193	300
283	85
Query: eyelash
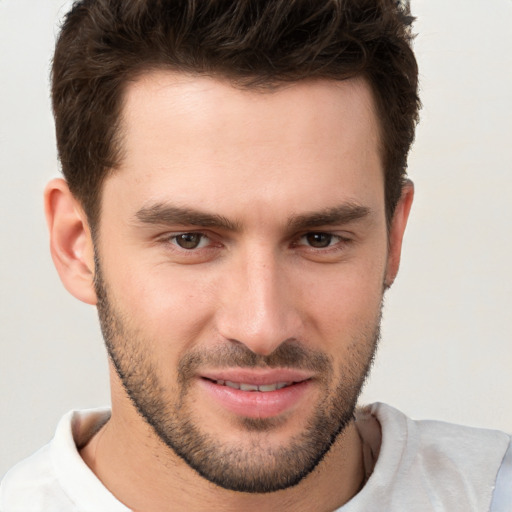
338	239
332	237
173	239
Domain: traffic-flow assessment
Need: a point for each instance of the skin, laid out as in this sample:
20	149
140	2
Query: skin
266	162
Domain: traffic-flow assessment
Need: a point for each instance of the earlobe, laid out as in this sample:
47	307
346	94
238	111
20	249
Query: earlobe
396	232
70	241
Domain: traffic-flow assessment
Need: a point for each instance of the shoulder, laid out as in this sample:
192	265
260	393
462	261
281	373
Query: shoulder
434	465
32	485
465	442
55	477
452	464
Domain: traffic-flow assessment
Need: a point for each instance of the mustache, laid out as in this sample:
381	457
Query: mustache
290	354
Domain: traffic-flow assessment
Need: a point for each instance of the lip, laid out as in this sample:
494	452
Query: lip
256	404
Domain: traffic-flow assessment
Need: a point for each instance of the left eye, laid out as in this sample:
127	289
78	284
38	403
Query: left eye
319	240
190	240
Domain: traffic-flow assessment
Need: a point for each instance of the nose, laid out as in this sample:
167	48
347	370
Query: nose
257	304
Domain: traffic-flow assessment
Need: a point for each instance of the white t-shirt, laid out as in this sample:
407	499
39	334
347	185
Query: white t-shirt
412	466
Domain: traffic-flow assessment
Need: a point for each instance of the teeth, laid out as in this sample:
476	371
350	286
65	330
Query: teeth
252	387
268	387
248	387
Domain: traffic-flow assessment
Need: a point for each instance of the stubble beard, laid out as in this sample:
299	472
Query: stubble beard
254	466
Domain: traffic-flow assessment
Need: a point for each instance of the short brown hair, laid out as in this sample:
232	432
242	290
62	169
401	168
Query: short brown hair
105	43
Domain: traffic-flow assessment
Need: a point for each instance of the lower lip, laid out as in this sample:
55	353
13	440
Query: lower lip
256	404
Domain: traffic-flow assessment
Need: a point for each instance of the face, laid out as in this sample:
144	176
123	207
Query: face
241	258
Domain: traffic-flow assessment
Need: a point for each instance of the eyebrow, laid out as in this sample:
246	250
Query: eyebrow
166	214
337	215
173	215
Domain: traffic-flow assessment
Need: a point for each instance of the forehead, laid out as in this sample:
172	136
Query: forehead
202	140
196	103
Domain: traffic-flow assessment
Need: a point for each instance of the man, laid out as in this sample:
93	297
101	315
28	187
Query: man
234	205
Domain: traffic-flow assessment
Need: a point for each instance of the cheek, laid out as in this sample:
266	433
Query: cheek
169	306
345	304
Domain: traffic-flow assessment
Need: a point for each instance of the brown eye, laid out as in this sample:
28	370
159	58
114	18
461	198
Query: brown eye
189	240
319	240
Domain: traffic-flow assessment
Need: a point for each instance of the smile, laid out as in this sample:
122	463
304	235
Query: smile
257	394
243	386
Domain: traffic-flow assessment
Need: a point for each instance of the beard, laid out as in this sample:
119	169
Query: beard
254	465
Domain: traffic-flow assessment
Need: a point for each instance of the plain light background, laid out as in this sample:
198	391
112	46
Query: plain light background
446	350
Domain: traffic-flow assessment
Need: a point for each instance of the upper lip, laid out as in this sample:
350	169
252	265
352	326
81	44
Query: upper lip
257	377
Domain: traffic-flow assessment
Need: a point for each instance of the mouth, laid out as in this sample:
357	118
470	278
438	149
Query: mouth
257	394
245	386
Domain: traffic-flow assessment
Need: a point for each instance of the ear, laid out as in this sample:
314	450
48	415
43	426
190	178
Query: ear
396	232
70	241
